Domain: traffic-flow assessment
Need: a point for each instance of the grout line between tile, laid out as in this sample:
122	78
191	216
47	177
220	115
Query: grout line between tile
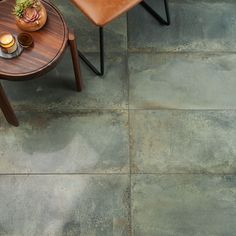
182	109
151	51
193	173
51	174
128	110
129	134
117	174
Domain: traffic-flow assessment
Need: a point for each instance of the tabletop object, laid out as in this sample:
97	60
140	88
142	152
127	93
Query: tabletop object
17	53
25	40
50	43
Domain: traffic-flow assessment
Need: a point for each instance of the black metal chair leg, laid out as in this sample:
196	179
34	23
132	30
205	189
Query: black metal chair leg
148	8
156	15
88	63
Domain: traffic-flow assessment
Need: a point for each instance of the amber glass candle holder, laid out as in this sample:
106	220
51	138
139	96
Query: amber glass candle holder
8	42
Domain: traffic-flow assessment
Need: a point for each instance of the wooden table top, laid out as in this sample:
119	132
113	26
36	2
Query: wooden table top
49	44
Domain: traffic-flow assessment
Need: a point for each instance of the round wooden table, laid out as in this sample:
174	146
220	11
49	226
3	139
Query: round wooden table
49	46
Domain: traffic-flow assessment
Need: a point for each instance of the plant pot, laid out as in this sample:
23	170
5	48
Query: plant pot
35	25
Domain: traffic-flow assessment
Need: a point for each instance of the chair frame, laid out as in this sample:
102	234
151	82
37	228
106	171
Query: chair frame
150	10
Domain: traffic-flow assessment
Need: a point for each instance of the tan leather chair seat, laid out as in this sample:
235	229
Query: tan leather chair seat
102	12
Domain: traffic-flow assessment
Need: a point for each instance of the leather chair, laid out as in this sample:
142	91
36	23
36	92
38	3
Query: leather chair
101	12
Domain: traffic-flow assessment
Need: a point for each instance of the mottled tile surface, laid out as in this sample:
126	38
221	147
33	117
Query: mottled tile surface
146	150
183	81
56	90
183	141
64	205
184	205
86	141
195	26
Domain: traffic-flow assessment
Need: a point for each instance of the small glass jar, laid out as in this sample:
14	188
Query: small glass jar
8	42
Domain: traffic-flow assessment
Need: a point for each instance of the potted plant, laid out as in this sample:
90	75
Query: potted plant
30	15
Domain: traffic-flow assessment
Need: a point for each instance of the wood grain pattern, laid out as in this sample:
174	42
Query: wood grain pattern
49	44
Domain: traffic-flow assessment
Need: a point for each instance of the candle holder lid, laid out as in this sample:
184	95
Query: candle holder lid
17	53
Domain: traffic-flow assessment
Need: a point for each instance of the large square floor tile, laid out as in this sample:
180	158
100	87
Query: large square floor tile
80	142
184	205
183	141
56	90
203	25
185	81
64	205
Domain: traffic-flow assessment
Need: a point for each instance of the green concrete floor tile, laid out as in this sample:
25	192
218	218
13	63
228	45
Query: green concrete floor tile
64	205
146	150
195	26
183	205
183	141
182	81
56	90
81	142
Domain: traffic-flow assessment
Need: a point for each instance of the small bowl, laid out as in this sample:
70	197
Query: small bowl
25	40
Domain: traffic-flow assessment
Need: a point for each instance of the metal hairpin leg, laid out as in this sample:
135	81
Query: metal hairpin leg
89	64
156	15
101	40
